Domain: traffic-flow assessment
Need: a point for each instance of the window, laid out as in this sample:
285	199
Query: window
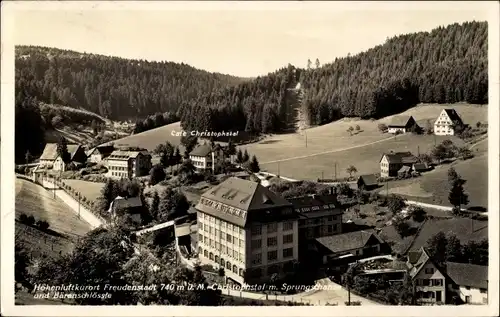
217	245
467	288
256	230
483	291
216	232
272	241
335	227
235	269
436	282
287	238
229	238
229	227
287	253
222	235
257	259
241	243
287	226
272	227
330	228
210	230
272	255
211	243
429	270
330	218
256	244
425	282
242	258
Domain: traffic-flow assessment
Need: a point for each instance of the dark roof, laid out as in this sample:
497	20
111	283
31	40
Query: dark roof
369	180
314	200
347	241
401	157
399	121
466	274
246	196
50	151
103	149
421	257
420	166
201	150
453	115
132	202
413	256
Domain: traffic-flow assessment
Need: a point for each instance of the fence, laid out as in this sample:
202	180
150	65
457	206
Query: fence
82	202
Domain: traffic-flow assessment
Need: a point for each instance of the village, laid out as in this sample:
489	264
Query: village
246	226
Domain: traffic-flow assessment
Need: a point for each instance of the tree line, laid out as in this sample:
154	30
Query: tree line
112	87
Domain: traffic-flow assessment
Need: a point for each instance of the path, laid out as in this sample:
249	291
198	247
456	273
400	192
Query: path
479	142
327	152
84	213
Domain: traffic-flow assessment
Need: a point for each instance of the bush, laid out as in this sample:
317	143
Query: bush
42	225
353	303
382	127
23	218
30	220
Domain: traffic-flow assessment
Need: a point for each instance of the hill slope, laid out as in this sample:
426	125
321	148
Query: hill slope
446	65
112	87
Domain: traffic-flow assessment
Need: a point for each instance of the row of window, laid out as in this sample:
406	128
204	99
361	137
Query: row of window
321	230
117	168
198	163
271	241
272	227
222	248
225	264
271	256
220	235
429	282
119	174
317	221
204	218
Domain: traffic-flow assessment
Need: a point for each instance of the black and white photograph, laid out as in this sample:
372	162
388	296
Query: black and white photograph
233	154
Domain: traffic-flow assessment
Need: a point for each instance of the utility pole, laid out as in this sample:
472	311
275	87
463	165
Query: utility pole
387	188
306	136
418	150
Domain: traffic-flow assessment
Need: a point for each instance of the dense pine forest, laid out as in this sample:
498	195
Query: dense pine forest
446	65
112	87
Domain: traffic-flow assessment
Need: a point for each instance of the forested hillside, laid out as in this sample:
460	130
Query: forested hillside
112	87
446	65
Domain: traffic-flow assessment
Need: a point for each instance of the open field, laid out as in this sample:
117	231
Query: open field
433	188
65	227
90	190
33	199
151	138
365	158
331	143
334	136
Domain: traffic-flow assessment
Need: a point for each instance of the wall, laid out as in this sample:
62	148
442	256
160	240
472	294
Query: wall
84	213
476	297
435	275
112	164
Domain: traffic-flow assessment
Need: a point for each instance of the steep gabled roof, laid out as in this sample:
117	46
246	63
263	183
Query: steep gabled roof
453	115
347	241
466	274
420	166
102	149
201	150
399	121
50	151
369	180
125	155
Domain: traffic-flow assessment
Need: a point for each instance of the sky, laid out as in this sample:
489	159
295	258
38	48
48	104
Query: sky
244	40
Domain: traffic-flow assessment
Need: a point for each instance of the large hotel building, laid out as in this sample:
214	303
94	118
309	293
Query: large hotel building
248	230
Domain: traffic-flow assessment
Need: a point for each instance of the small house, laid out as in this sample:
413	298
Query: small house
183	235
128	163
51	159
357	244
367	182
404	171
402	124
392	162
429	278
131	207
420	167
469	282
204	157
